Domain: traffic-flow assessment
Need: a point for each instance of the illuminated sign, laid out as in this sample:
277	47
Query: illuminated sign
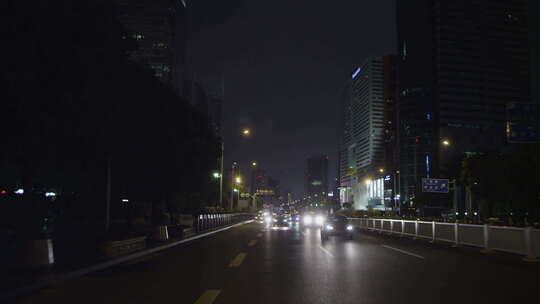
438	185
358	70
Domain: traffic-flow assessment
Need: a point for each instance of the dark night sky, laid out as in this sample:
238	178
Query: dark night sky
284	63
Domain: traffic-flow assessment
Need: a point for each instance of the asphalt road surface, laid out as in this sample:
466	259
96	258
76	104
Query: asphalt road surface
252	264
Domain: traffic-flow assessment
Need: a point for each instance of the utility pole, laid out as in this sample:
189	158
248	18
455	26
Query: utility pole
221	175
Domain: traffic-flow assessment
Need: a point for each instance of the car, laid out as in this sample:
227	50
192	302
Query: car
313	219
281	220
337	225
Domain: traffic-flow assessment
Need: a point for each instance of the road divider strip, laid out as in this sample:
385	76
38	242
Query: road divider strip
237	261
55	279
403	251
208	297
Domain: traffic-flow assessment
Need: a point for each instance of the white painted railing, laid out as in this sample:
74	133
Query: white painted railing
525	241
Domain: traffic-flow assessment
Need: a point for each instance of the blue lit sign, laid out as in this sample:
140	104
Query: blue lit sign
437	185
358	70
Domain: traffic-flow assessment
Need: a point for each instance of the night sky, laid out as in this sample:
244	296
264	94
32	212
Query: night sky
284	64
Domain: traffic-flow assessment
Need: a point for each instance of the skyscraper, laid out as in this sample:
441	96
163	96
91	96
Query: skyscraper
367	125
460	64
152	24
316	178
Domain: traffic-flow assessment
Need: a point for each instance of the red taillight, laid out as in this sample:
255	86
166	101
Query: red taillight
3	191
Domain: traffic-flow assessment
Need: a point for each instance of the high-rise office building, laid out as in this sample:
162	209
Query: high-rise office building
316	178
367	122
152	24
460	64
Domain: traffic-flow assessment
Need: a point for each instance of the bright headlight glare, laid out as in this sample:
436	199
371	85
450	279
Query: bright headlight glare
275	220
329	227
308	219
319	220
268	219
349	227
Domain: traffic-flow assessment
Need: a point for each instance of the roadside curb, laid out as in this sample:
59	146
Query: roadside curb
55	279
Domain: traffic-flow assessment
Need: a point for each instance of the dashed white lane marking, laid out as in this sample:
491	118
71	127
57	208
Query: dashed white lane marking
208	297
403	251
252	243
238	260
326	251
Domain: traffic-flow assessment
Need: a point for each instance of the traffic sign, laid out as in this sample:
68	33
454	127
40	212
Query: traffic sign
437	185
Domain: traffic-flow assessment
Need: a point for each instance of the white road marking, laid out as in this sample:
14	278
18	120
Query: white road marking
326	251
403	251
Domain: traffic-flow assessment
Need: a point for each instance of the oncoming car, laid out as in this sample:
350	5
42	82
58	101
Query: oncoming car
312	219
337	225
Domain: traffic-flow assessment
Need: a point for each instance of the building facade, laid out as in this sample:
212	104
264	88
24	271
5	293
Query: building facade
316	177
460	64
367	133
152	24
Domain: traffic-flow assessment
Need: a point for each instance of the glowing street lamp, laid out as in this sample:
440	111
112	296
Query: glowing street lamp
446	142
235	190
216	175
238	180
254	164
381	170
246	132
368	181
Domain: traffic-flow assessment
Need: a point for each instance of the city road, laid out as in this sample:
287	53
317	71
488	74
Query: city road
252	264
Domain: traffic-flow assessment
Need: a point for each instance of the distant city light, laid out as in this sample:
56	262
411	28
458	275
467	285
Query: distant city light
246	131
238	180
358	70
50	194
446	142
19	191
125	200
216	175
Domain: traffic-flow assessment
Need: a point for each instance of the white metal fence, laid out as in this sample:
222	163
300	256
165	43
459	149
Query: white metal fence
525	241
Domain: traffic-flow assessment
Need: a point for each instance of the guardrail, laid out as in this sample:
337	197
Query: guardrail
524	241
206	221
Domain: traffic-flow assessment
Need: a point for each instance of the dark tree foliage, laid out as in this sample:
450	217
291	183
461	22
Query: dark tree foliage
73	101
505	183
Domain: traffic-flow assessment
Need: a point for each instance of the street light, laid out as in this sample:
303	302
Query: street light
238	180
246	132
381	170
216	175
254	164
446	142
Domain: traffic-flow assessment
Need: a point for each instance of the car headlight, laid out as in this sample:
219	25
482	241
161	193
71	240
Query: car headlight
319	220
329	227
275	220
265	214
268	219
349	227
308	219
